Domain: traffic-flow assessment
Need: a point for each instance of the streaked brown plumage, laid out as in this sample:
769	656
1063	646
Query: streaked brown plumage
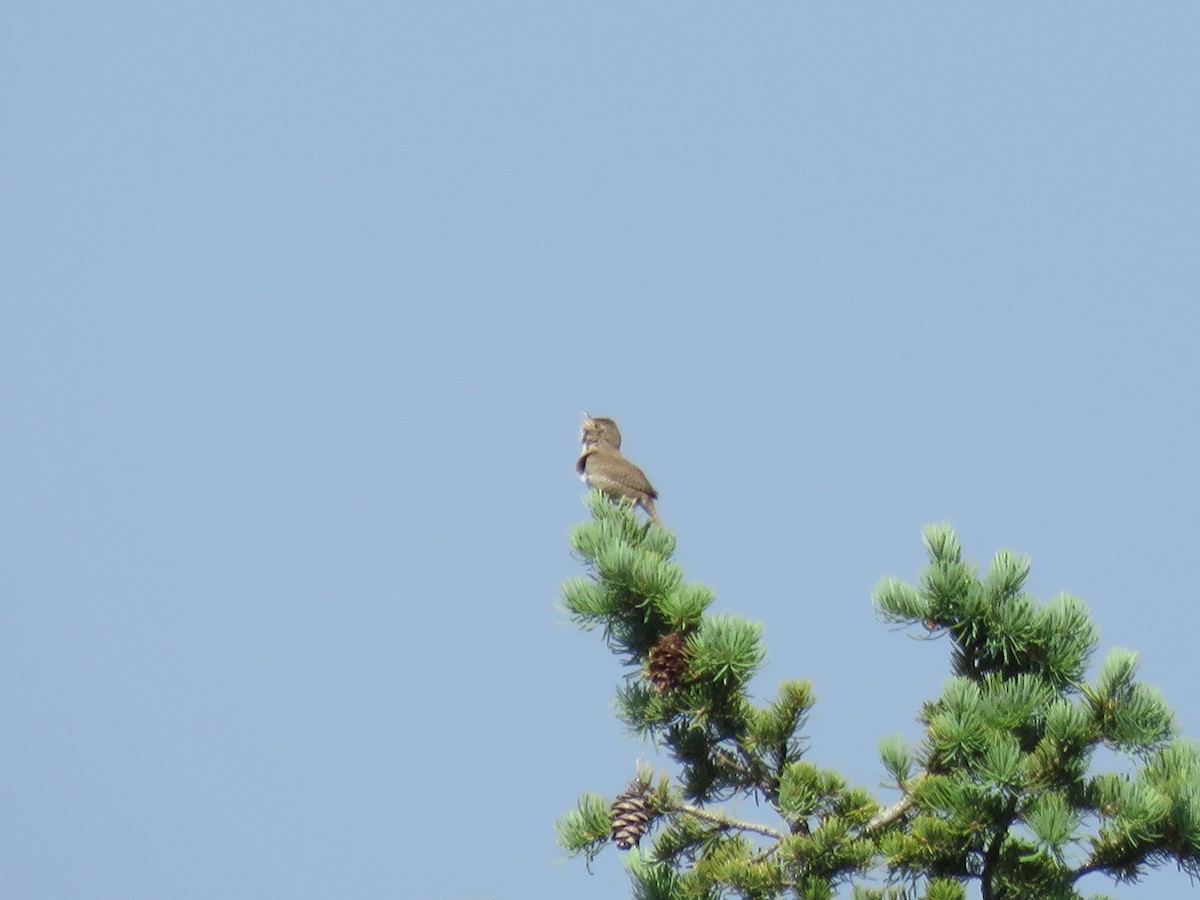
601	465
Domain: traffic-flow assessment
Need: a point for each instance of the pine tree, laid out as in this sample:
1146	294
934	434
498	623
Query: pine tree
1002	792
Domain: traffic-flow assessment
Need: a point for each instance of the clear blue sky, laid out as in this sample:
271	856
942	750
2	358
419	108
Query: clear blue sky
302	302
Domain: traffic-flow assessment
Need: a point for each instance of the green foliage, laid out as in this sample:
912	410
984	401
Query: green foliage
896	759
586	828
775	732
726	651
657	882
1053	822
1002	790
684	607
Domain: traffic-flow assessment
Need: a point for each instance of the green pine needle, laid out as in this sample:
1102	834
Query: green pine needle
585	829
1052	821
1006	576
898	601
896	758
685	606
727	650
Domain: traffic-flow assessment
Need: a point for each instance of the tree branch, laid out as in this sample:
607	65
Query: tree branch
724	821
992	856
886	817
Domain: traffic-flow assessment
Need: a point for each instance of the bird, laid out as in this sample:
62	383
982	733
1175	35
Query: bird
601	465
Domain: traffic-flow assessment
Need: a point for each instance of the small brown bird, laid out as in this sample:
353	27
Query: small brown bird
602	466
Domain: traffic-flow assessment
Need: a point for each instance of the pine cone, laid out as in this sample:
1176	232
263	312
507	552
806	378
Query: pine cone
630	815
667	662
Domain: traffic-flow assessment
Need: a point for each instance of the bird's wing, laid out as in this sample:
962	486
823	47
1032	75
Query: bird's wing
581	463
634	478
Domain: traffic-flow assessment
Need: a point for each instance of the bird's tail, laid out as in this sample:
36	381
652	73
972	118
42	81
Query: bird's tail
647	503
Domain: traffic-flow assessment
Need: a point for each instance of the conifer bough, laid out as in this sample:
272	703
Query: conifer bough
1002	796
